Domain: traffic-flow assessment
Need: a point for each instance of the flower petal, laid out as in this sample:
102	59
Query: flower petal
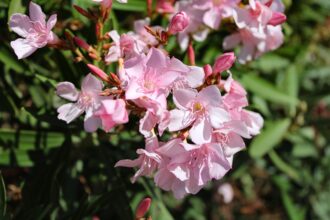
20	24
36	13
69	112
201	131
67	91
22	48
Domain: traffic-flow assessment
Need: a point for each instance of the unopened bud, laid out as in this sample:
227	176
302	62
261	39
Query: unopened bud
277	18
143	208
224	62
83	12
178	23
98	72
207	70
81	43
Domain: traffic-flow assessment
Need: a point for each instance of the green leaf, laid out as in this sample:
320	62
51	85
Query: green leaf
15	6
132	5
283	166
270	62
266	90
9	61
269	138
2	197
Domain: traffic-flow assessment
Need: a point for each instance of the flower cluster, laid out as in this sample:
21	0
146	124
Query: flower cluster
258	24
203	112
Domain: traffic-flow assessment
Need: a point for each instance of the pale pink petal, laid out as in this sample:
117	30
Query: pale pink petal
128	163
51	22
172	148
201	131
91	84
184	97
179	119
246	53
67	91
231	41
156	58
36	14
210	96
114	36
147	123
69	112
235	144
195	77
91	124
180	172
22	48
20	24
218	116
212	18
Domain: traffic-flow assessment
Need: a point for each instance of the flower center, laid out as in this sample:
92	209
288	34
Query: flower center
217	2
85	100
149	85
197	107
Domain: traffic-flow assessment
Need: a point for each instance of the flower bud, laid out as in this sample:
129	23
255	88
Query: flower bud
81	43
98	72
207	70
142	208
178	23
277	18
224	62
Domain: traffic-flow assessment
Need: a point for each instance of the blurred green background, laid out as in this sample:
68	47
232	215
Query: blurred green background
54	171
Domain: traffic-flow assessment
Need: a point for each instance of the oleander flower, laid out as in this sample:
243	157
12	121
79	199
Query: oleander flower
187	168
34	30
147	161
203	110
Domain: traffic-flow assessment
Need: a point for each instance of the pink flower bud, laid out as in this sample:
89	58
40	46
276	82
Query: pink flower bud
142	208
178	23
277	18
81	43
224	62
207	70
98	72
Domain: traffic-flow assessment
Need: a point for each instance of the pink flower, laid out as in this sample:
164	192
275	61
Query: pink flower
124	46
178	22
112	113
34	30
152	76
203	110
216	10
187	168
196	28
254	17
147	161
236	94
87	100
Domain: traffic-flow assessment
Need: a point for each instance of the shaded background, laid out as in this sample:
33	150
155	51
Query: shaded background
55	171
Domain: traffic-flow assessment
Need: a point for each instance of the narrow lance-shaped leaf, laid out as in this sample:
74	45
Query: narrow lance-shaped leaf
269	138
